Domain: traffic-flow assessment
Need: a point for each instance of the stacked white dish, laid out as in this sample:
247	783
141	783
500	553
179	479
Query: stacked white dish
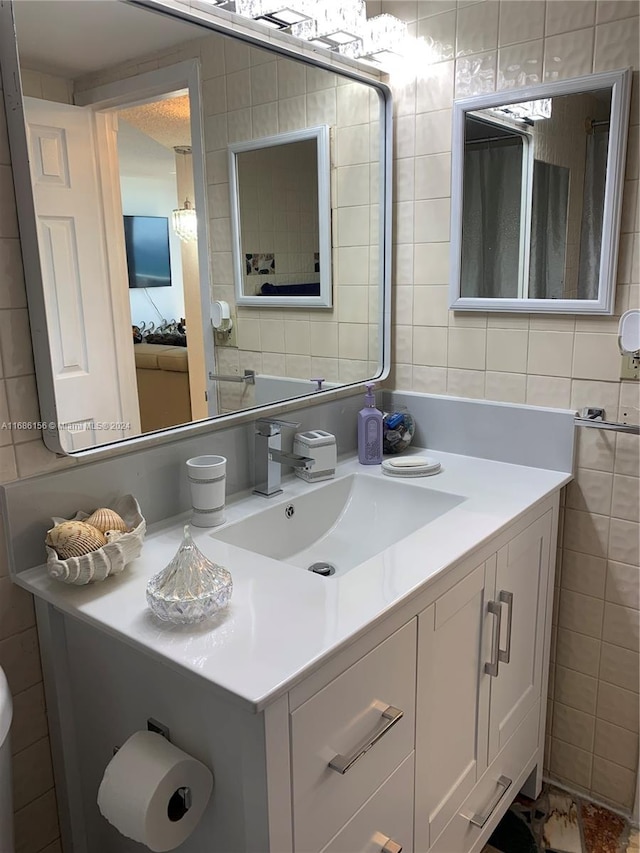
411	466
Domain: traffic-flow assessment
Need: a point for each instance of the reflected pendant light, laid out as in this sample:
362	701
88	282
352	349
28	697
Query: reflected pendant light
184	219
185	222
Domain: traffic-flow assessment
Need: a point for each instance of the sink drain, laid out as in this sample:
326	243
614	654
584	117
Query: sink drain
322	568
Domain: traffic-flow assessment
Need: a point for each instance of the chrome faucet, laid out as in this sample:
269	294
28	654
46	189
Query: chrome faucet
269	457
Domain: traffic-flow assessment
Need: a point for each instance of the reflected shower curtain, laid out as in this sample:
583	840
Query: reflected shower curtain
491	220
547	261
593	210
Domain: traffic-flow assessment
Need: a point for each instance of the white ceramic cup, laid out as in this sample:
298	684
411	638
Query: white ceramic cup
207	479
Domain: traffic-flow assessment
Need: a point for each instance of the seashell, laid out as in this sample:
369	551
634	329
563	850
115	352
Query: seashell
107	519
74	538
113	535
110	559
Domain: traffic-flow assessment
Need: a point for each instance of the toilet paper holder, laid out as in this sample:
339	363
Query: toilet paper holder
181	801
153	726
158	728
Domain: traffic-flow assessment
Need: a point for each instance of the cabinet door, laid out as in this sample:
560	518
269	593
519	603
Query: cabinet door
452	703
521	587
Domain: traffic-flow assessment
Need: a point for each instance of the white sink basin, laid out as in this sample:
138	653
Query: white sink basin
343	523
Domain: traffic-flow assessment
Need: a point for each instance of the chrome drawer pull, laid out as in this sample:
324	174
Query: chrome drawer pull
391	846
496	610
390	716
503	786
507	598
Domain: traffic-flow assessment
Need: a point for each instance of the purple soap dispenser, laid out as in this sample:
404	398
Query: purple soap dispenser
370	430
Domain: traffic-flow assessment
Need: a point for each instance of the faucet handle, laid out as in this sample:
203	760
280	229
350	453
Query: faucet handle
273	426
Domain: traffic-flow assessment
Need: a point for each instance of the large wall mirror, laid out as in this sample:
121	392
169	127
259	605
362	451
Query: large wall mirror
121	121
537	194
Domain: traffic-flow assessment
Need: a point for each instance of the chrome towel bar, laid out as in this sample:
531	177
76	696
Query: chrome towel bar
594	418
249	376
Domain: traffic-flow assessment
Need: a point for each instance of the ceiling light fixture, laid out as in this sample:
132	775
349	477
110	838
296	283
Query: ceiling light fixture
184	219
275	13
384	37
185	222
527	110
333	24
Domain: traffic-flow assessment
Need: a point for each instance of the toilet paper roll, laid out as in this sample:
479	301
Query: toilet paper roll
154	792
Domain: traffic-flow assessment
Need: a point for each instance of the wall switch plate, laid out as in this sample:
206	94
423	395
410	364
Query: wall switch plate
227	339
630	368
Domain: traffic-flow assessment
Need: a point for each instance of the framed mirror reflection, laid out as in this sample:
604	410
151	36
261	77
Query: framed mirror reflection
281	219
127	218
537	194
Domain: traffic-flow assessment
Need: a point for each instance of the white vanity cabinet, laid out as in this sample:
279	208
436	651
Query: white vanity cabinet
478	726
452	702
371	707
415	736
482	644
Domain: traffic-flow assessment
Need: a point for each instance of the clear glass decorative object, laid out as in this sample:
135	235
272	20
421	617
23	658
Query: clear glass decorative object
191	588
398	428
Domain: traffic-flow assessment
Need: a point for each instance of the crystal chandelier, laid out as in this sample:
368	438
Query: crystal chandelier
185	222
184	219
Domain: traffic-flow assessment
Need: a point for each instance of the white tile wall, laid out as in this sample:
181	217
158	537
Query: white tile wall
36	822
548	361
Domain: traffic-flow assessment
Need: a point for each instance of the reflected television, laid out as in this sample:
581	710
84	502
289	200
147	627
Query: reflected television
147	244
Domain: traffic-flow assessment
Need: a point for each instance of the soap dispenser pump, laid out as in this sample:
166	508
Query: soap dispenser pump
370	430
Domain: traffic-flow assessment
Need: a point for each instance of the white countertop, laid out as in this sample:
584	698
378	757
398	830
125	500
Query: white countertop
283	620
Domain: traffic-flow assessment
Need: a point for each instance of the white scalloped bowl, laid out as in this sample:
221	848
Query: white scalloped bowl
111	559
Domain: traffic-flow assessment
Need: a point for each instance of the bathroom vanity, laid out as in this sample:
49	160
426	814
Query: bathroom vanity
398	704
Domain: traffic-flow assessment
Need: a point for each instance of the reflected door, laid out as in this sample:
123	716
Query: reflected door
76	279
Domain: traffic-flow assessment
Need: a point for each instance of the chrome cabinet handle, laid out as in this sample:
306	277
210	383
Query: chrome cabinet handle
388	719
503	786
495	609
391	846
507	598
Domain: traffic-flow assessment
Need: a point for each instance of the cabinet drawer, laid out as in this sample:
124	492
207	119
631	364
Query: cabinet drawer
493	792
385	819
341	721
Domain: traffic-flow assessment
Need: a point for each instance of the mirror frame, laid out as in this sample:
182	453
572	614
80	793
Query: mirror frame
249	32
620	84
321	136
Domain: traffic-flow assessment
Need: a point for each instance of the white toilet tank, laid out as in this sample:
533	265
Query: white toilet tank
6	808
